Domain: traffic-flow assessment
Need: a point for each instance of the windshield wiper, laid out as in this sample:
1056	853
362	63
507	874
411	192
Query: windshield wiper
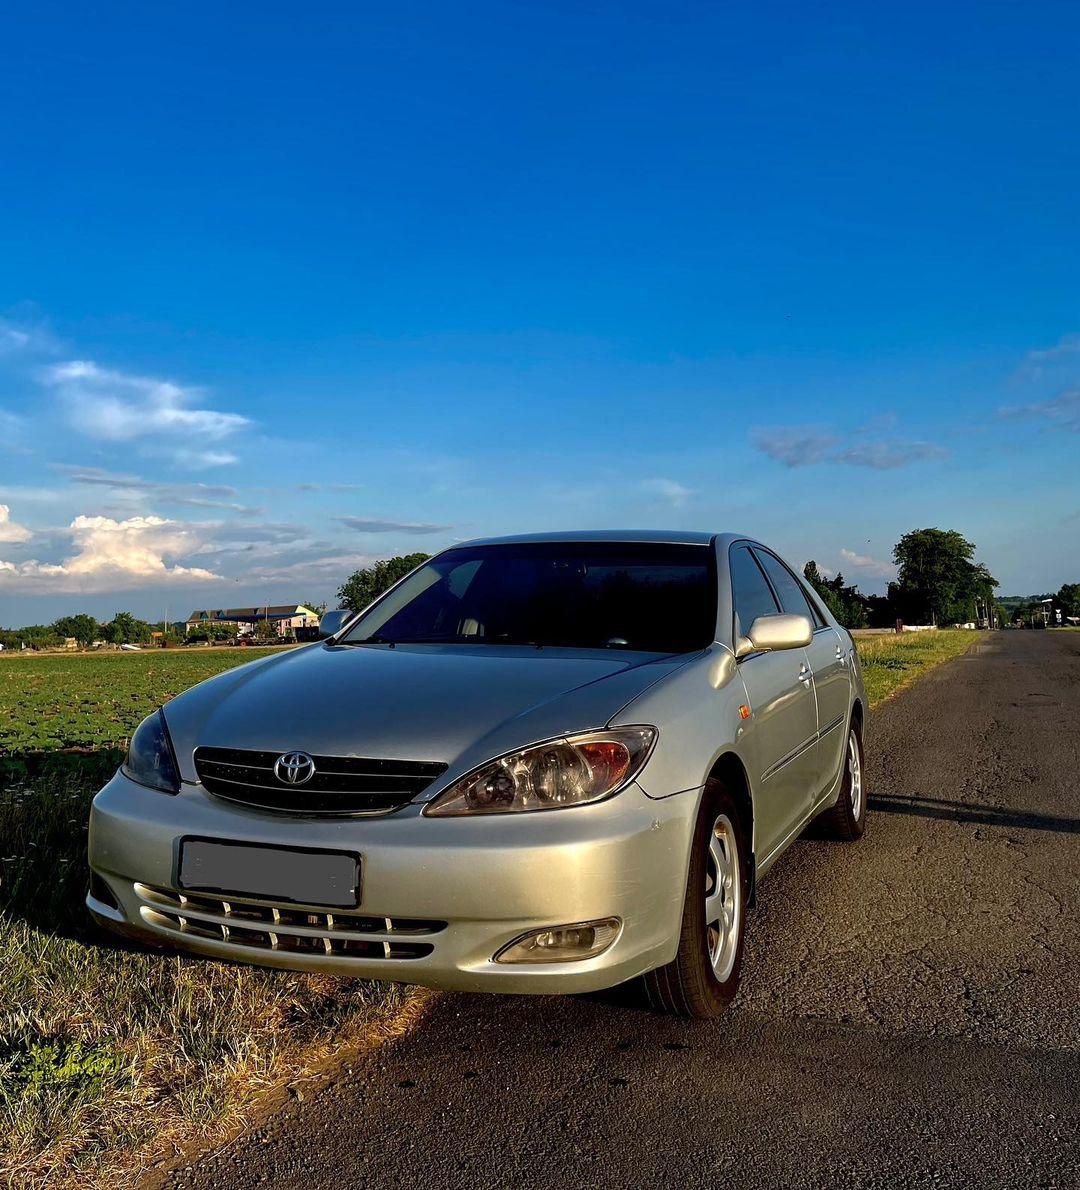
377	639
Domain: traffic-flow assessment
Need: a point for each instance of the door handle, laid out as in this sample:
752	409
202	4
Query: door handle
805	674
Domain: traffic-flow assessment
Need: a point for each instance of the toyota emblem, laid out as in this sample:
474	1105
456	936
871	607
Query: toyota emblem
294	768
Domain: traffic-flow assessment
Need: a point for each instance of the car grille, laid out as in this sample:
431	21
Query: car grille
341	784
287	930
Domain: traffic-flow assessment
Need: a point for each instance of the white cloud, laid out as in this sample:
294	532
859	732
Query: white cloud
136	489
9	530
1034	361
871	566
364	525
329	568
802	446
12	338
24	338
1058	413
119	406
794	446
112	555
670	491
199	460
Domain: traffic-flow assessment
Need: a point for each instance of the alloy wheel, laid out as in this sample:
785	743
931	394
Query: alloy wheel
723	898
855	775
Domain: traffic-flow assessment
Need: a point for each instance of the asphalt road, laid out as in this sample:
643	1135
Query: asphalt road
910	1012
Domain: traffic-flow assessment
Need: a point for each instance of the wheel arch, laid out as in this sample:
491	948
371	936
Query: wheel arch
858	715
728	768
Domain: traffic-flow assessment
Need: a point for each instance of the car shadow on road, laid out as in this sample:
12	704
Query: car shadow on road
932	807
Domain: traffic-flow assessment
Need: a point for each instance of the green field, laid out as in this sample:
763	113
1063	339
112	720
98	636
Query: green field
110	1056
91	700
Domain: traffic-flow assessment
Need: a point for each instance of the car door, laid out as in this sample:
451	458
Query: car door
782	726
829	663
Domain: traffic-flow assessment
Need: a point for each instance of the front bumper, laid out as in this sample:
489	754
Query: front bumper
489	879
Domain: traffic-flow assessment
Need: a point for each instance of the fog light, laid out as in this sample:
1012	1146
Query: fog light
562	944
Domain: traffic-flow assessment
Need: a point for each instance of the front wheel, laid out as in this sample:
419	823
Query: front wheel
846	820
702	979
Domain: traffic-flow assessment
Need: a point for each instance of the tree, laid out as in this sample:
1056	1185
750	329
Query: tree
847	604
34	636
265	630
212	630
125	629
938	580
1069	595
367	584
85	629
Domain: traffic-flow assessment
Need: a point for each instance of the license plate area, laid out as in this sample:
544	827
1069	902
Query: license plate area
267	872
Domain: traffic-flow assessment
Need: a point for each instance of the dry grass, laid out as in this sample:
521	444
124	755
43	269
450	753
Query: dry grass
112	1057
891	663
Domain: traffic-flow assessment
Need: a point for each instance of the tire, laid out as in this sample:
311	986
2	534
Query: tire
693	984
846	821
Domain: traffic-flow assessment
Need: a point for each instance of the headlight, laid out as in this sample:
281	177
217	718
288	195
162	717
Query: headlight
150	759
571	771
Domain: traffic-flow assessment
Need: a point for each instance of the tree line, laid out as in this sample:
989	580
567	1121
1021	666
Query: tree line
1030	609
123	629
939	581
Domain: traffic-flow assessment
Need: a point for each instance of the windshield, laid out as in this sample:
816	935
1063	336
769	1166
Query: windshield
644	596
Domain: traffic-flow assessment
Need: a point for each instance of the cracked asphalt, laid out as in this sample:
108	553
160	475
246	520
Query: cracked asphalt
909	1016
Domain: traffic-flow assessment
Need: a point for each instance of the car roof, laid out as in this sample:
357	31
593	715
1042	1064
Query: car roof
666	536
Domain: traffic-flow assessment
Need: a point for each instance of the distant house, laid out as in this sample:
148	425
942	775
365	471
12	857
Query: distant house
285	617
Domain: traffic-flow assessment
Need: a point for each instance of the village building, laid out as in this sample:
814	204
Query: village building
288	619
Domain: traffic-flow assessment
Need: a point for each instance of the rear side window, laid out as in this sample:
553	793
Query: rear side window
749	590
791	595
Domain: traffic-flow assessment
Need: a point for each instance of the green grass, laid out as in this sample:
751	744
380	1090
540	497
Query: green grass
891	663
91	700
111	1055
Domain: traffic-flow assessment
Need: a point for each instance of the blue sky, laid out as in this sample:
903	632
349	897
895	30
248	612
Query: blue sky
284	289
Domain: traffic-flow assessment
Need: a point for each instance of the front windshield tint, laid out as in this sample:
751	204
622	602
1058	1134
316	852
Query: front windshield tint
644	596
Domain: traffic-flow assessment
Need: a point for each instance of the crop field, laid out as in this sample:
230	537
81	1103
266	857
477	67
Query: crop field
113	1057
92	700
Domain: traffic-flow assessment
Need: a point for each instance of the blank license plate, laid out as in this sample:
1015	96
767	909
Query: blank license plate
271	873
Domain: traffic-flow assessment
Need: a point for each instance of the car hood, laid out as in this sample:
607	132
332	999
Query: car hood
458	705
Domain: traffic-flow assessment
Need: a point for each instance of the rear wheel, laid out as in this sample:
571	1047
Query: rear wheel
846	820
703	977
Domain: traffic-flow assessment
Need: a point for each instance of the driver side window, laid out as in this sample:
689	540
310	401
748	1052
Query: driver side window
750	591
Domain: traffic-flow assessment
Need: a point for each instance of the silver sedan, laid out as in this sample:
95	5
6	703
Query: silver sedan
537	764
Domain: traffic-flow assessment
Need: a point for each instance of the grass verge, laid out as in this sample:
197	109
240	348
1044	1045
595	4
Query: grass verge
891	663
113	1058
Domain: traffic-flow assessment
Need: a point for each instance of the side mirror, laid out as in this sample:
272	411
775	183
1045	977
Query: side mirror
332	622
776	632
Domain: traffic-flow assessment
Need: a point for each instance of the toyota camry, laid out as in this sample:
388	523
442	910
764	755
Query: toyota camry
536	764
